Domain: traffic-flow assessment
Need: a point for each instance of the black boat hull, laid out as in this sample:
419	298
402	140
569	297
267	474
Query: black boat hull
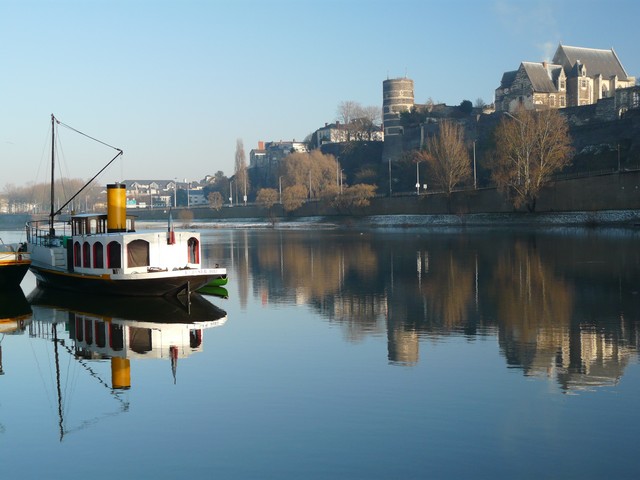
143	287
11	275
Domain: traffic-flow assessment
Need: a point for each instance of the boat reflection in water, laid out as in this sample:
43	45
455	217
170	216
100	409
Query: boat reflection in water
15	311
15	315
126	328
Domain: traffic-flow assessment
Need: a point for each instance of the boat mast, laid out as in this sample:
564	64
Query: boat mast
52	231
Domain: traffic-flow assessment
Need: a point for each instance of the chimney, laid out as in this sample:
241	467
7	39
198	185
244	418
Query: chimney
260	145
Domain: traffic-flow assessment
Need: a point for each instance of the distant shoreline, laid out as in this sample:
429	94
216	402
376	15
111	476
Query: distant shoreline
622	218
612	218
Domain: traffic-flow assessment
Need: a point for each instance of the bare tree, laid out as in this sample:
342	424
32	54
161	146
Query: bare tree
360	121
241	177
447	156
429	104
348	111
530	147
267	197
314	171
215	200
293	197
358	195
373	114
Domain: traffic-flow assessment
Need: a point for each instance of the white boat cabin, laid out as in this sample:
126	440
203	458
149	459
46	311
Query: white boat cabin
94	250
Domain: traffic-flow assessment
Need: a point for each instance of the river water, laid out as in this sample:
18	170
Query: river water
373	354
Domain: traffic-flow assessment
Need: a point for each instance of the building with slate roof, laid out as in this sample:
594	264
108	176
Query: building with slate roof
577	76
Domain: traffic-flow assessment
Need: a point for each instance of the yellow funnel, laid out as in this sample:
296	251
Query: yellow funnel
116	207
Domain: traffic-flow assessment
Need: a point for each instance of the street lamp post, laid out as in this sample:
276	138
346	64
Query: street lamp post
280	187
417	178
231	193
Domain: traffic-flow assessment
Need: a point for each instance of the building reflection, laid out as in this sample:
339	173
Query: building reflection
561	306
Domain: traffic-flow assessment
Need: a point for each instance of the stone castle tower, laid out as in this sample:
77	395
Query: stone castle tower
397	97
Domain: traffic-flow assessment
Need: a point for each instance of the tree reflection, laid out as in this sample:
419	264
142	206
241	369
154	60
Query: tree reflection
540	330
533	305
448	290
561	307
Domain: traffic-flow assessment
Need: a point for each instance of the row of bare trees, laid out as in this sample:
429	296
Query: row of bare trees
530	147
36	197
313	176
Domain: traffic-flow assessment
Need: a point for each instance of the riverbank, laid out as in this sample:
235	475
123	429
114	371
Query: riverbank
607	200
622	218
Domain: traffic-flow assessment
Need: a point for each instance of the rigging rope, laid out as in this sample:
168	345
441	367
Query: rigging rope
88	136
120	152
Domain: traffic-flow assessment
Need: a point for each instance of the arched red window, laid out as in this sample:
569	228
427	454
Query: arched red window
86	255
77	256
98	255
88	331
114	255
194	250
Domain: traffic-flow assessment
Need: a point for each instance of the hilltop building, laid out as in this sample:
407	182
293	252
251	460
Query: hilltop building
576	77
359	129
269	154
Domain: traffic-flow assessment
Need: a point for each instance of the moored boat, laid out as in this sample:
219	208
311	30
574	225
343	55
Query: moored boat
103	253
14	264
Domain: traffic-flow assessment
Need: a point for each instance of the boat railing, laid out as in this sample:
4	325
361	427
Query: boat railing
39	232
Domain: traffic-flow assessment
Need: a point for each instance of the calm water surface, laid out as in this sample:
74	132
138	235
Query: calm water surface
372	355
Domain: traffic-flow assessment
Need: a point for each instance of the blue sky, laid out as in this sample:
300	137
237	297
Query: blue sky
176	83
